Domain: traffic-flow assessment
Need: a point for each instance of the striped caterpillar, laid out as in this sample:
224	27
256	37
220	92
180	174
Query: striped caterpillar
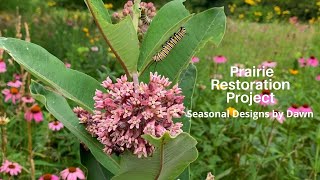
169	45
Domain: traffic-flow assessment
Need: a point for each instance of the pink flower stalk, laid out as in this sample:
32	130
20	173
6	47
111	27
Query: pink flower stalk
49	177
3	66
294	108
15	83
10	168
219	59
269	100
72	173
195	59
312	61
318	77
269	64
11	94
68	65
124	113
302	62
55	125
34	113
305	108
277	116
27	99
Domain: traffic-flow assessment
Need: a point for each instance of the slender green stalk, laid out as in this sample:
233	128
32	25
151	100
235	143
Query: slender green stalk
316	162
136	14
30	150
4	142
270	136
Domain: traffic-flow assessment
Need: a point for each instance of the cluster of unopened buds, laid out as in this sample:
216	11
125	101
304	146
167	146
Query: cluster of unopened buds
127	111
148	11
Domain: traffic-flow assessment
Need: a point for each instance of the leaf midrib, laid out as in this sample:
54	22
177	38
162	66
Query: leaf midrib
59	88
199	42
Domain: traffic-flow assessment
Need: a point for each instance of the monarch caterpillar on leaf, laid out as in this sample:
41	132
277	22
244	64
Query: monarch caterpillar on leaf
169	45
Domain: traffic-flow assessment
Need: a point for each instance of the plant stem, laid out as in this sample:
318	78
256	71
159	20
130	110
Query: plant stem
32	168
316	162
136	14
267	147
135	80
4	142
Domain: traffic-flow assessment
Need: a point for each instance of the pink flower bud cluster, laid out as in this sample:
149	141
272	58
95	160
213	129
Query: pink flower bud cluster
148	8
125	113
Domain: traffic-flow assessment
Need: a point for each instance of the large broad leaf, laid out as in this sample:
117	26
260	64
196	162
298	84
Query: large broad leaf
60	109
205	26
74	85
168	20
171	157
122	37
95	169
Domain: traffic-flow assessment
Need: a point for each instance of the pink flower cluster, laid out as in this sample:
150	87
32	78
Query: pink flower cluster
148	8
127	111
312	61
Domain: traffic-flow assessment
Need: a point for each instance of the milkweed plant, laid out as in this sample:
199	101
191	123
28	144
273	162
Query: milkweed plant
132	127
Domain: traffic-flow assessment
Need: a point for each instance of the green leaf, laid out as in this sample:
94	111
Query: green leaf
205	26
171	157
60	109
187	82
72	84
95	169
122	37
223	174
161	29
